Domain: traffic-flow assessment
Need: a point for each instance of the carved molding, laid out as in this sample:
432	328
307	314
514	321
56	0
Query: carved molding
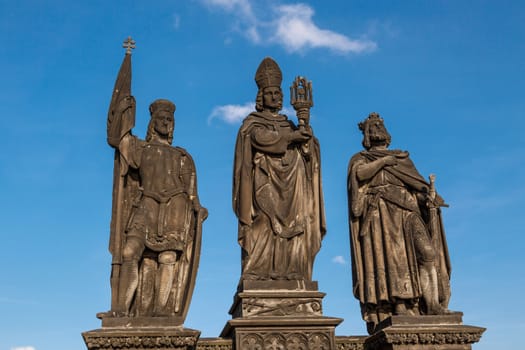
214	344
297	341
319	341
279	307
214	347
424	338
285	341
141	342
350	346
294	341
350	343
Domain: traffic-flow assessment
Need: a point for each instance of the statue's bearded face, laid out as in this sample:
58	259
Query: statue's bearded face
377	131
273	98
163	123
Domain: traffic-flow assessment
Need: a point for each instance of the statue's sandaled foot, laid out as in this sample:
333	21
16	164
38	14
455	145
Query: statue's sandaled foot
440	310
253	277
294	277
111	313
401	309
121	314
106	314
445	311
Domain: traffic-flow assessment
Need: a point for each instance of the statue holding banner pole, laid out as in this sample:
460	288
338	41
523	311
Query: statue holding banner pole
157	217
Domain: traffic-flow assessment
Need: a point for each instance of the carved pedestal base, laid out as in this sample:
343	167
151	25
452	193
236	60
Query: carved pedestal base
441	332
214	344
277	298
350	342
140	322
312	333
154	338
280	315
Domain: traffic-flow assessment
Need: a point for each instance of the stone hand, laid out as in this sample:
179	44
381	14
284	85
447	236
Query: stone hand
436	202
389	160
300	135
125	103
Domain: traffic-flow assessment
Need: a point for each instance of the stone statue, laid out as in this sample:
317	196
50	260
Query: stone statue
400	262
277	194
157	218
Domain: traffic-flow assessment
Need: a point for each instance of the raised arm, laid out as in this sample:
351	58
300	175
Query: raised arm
121	119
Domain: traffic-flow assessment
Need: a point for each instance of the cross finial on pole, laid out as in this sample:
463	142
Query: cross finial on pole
129	44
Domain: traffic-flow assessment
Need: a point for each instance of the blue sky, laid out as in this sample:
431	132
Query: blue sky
448	77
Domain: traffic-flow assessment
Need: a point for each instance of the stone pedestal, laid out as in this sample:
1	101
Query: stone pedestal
140	338
141	322
440	332
341	343
283	333
214	344
140	333
277	298
280	315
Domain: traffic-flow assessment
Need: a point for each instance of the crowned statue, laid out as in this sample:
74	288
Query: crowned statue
400	261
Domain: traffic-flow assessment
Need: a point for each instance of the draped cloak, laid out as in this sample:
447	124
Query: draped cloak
383	212
277	197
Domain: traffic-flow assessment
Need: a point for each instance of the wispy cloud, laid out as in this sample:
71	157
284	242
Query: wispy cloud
176	21
231	114
8	300
288	111
339	259
296	31
24	348
246	22
290	26
234	114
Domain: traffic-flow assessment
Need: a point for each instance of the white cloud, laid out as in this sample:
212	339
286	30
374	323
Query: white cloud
339	259
9	300
228	4
247	22
232	114
290	26
176	21
288	111
296	31
23	348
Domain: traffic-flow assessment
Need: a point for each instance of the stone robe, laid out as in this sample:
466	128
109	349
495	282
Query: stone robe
277	198
390	234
